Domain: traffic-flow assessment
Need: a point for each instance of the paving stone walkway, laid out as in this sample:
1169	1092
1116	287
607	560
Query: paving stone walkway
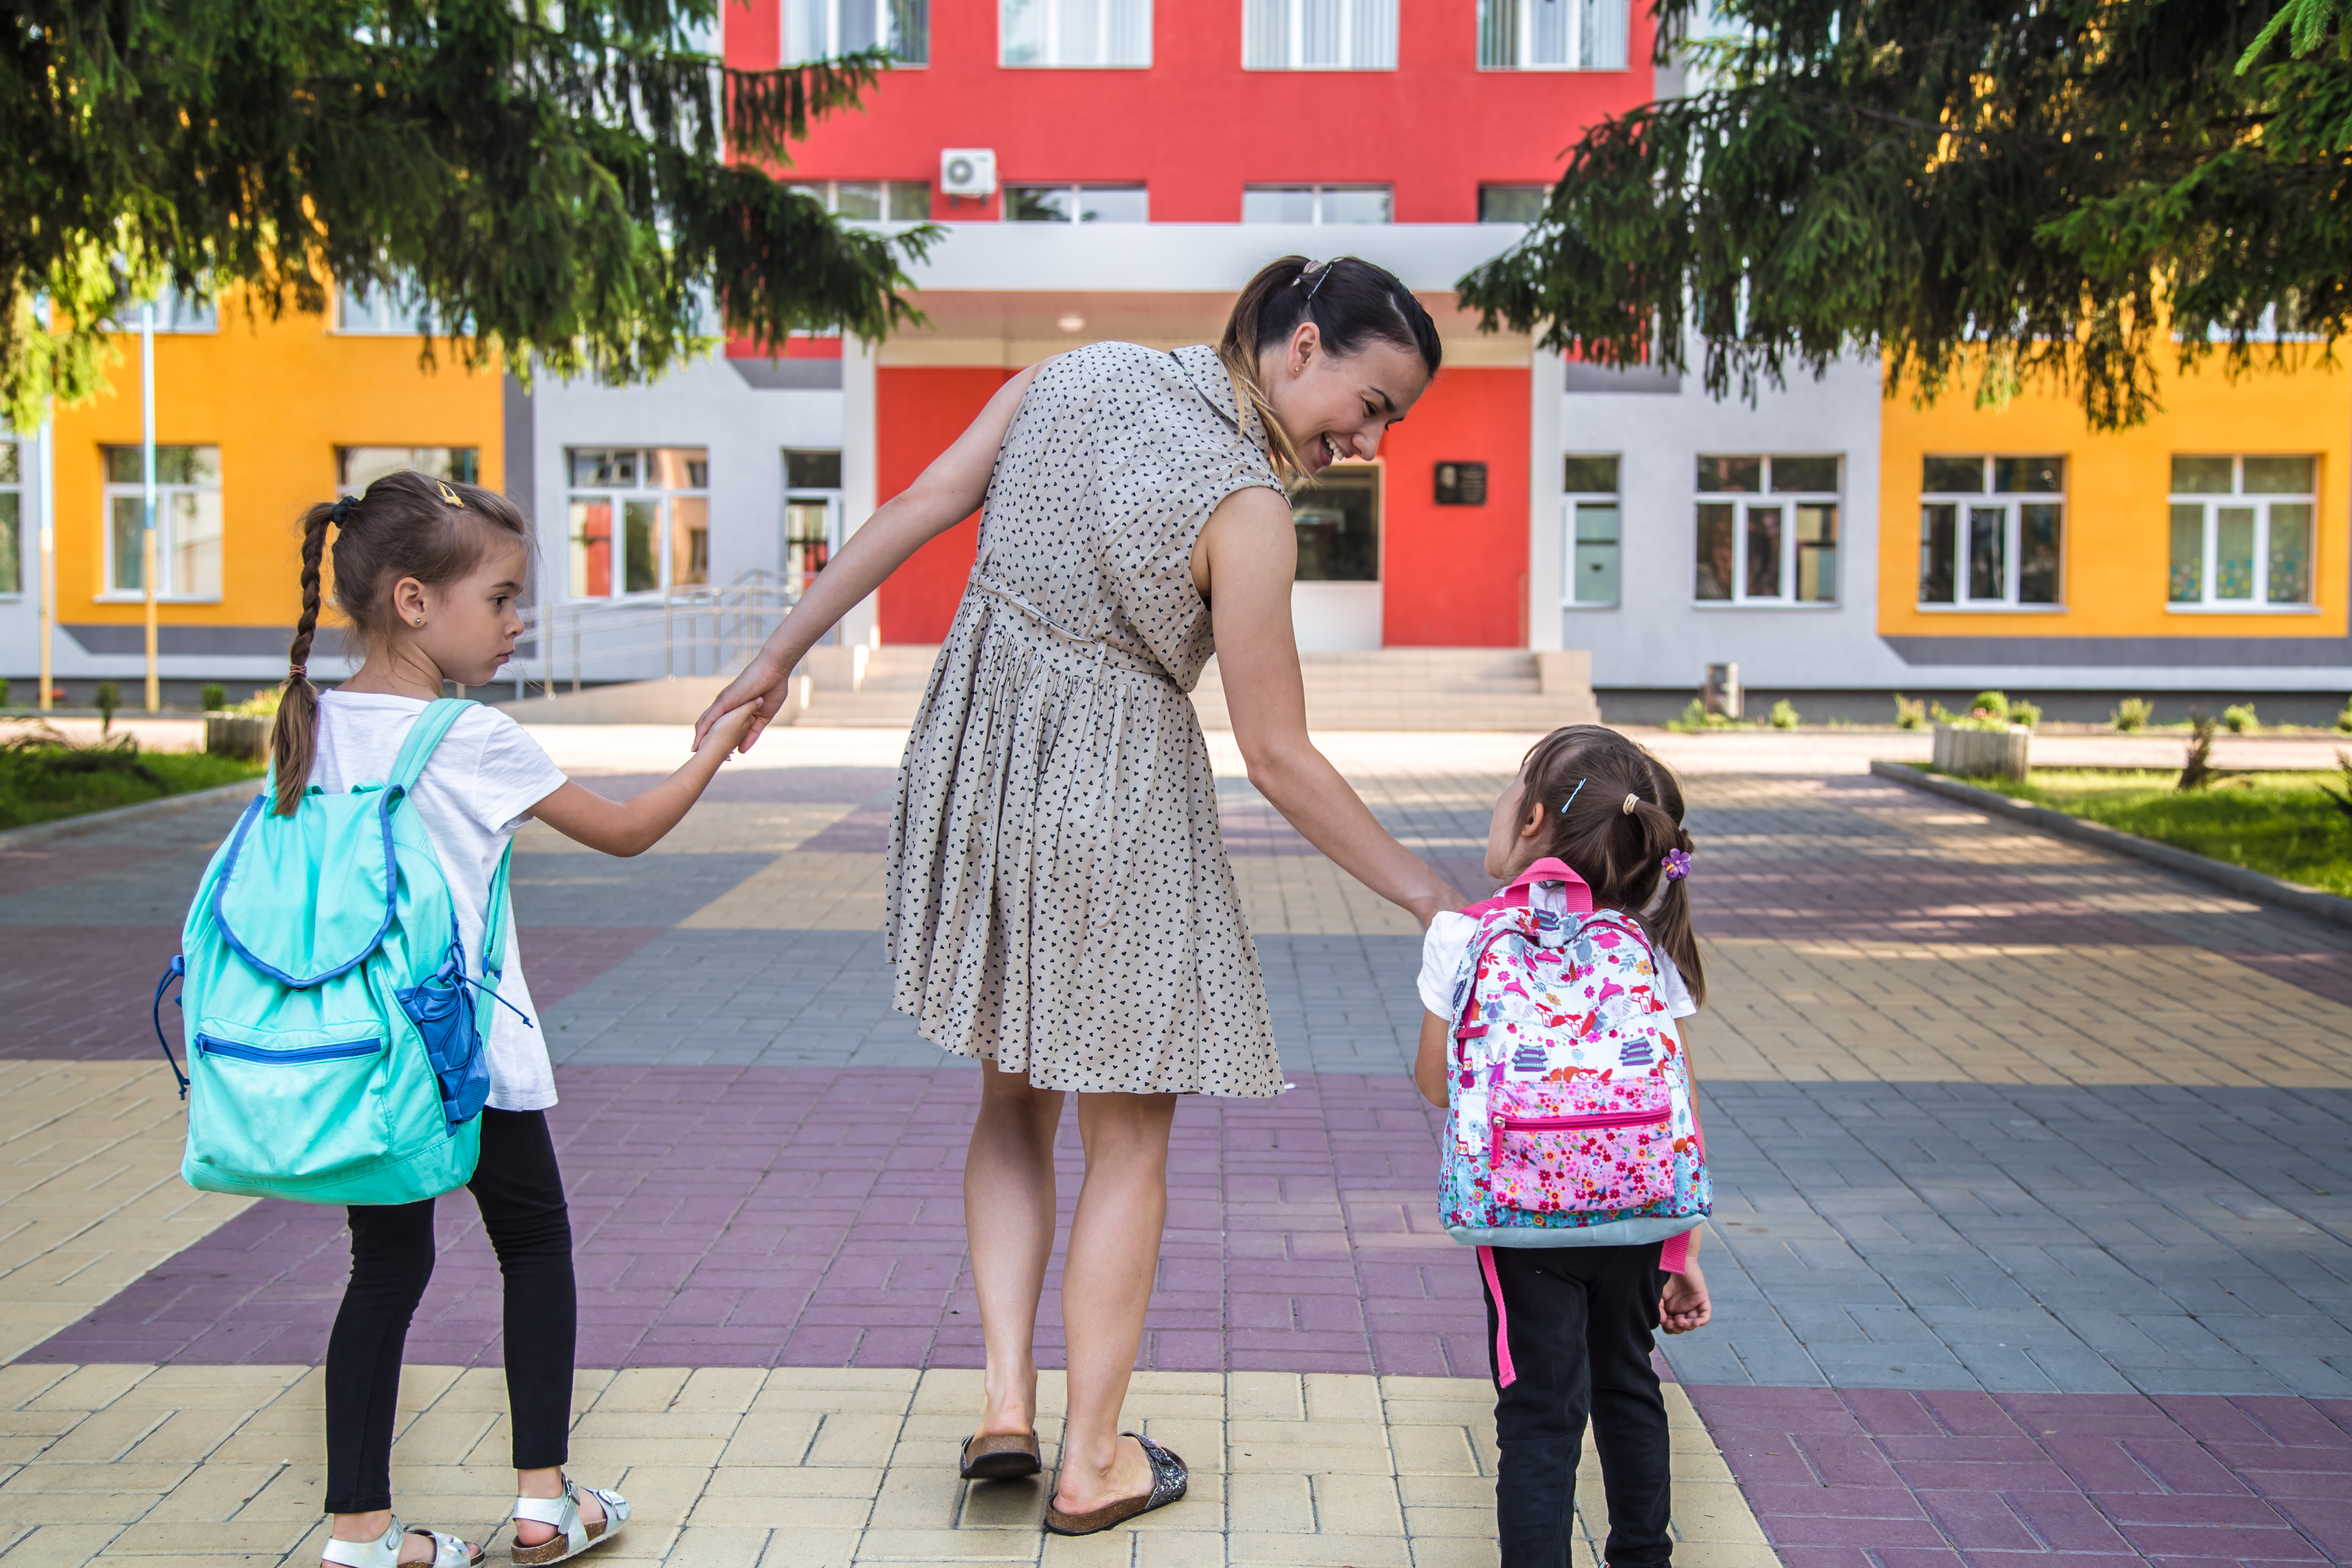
2032	1233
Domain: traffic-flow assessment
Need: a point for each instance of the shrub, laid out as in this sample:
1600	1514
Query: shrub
2132	713
1911	713
1784	715
2344	719
2238	718
2025	713
2196	768
4	692
1696	720
109	697
1992	705
262	704
213	697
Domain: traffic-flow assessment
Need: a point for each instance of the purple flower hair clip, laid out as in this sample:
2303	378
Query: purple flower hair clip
1677	865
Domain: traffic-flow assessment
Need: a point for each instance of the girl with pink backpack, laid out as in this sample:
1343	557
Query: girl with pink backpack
1573	1159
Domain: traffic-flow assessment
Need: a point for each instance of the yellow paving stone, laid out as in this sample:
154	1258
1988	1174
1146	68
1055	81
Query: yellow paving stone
838	1388
1280	1502
1458	1551
1307	894
1468	1519
202	1538
1174	1549
720	1546
1340	1551
812	1549
805	890
731	1481
999	1505
768	1438
188	1436
60	1546
1106	1549
950	1545
835	1512
1275	1395
731	1389
639	1388
1435	1451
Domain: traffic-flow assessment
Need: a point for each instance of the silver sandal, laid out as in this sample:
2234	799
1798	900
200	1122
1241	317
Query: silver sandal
448	1550
573	1535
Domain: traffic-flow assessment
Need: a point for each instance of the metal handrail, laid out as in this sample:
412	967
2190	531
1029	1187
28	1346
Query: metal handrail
698	630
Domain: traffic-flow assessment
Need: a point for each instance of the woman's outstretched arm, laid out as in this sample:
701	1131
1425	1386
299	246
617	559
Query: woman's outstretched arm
950	491
1245	559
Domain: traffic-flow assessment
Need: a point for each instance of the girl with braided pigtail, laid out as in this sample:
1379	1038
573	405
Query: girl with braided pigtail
1577	1322
428	571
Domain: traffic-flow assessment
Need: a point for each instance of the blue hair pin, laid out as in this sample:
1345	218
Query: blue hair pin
1572	795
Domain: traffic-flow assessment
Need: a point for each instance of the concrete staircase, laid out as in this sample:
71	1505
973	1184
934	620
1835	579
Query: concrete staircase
1390	688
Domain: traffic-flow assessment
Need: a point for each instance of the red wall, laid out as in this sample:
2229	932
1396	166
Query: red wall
918	411
1456	576
1195	127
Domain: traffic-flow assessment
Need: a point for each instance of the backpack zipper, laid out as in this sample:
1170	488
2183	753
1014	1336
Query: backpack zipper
213	1046
1498	1125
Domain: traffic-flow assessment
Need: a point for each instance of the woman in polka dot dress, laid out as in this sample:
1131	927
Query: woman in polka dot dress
1060	903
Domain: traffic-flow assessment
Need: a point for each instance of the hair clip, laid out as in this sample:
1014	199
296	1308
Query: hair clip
1630	802
448	495
1321	269
1572	795
1677	863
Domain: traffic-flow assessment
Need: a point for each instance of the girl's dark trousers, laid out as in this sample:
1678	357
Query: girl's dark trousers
520	1193
1577	1322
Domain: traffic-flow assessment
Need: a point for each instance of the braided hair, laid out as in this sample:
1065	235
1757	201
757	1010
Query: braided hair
406	524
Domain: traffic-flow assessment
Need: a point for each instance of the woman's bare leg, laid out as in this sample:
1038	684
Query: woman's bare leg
1107	1279
1008	1211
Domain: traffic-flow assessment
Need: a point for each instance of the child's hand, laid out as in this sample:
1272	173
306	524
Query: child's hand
1683	1305
728	729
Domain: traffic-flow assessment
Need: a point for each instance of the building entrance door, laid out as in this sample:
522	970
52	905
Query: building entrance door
1335	605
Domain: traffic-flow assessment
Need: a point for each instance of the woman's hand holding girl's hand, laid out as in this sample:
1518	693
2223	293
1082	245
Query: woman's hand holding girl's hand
1684	1305
728	730
758	694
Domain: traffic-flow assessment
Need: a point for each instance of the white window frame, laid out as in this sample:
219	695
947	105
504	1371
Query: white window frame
14	454
404	312
1077	198
1366	41
1522	14
830	498
2260	502
175	313
1570	502
814	16
1317	195
2012	503
167	552
1785	502
618	496
1051	13
829	193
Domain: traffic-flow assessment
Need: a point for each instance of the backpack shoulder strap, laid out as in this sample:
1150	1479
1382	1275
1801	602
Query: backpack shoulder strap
424	735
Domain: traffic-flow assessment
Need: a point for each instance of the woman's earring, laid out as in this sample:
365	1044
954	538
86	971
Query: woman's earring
420	620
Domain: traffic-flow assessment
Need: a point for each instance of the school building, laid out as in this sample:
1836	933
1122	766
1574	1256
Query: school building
1117	169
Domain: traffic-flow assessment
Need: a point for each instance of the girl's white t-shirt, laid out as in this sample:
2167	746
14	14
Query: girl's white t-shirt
1448	938
476	789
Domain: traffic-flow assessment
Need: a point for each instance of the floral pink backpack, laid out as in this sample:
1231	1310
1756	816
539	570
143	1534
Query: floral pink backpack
1569	1106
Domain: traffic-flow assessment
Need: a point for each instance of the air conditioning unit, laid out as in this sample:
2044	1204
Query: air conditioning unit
968	170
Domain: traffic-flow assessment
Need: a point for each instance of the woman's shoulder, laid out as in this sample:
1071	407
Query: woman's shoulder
1113	361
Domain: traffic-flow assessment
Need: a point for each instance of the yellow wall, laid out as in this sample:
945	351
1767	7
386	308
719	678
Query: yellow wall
277	398
2117	547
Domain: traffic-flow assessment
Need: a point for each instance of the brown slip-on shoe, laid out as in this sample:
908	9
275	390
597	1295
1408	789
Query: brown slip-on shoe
1168	1479
1000	1456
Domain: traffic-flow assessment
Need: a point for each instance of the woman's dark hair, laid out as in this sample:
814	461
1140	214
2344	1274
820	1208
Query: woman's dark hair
1352	302
1620	852
406	525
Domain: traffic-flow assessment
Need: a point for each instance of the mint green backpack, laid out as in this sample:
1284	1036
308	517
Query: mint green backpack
334	1037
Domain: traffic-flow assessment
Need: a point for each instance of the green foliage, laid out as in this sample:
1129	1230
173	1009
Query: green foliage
1696	720
1978	717
108	697
2197	767
2343	718
1784	715
213	697
2281	824
5	691
262	703
2084	194
2239	720
2132	713
43	776
2026	713
1991	705
1910	712
563	184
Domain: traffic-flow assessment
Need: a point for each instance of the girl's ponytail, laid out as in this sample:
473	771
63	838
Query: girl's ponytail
294	738
1667	916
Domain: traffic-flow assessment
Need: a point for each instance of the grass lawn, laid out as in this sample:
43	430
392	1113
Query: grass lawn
33	788
2275	823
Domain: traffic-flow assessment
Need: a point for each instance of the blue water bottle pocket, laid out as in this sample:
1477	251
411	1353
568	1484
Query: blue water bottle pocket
444	1016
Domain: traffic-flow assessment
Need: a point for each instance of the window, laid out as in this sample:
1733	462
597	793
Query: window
1338	521
2241	531
1315	203
1319	34
1591	483
174	312
825	29
874	201
640	520
356	468
397	310
187	522
1512	203
1990	531
1076	203
1552	35
11	517
1074	32
1779	548
812	514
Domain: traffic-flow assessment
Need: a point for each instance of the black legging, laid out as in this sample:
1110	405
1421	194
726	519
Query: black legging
520	1193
